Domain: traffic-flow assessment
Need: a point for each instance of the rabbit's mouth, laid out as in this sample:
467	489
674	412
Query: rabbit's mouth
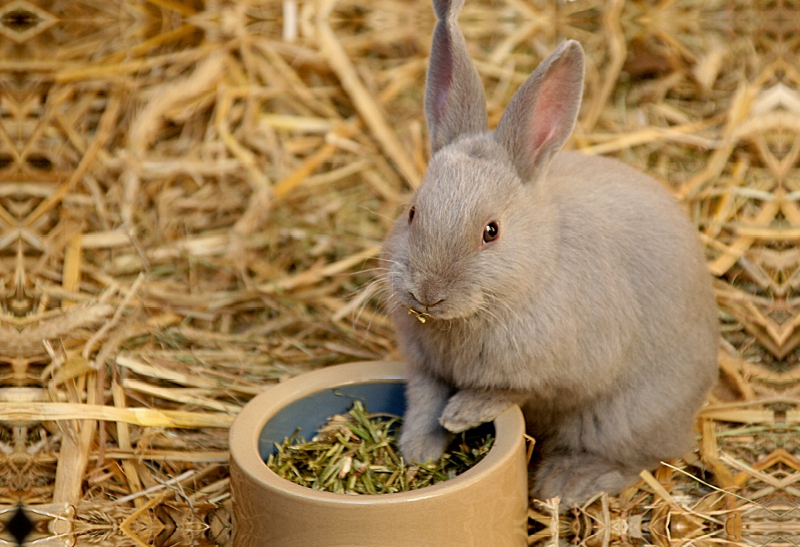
422	317
442	307
424	306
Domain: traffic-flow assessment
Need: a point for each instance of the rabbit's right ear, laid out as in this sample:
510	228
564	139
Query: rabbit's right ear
455	103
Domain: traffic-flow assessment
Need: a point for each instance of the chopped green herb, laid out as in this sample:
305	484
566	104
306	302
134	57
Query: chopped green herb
356	453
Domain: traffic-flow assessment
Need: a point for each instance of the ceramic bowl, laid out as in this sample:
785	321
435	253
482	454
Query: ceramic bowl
485	506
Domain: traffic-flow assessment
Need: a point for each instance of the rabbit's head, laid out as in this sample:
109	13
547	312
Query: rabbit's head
479	224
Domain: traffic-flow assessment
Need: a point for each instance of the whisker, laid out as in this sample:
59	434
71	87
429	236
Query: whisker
361	296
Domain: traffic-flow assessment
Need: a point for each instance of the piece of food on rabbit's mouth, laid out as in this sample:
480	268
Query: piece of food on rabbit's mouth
420	315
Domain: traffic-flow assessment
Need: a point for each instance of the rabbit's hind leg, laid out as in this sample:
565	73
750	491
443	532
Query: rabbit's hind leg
575	477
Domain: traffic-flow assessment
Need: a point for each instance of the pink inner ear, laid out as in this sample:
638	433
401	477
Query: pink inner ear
440	80
549	116
541	114
442	84
543	131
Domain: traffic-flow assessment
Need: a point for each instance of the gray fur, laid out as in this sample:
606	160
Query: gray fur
593	309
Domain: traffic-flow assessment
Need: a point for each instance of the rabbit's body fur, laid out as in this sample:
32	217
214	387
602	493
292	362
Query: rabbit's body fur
593	308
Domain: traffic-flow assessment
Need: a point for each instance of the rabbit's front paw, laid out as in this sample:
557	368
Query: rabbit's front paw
467	409
424	446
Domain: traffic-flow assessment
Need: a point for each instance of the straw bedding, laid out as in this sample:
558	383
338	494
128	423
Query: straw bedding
193	195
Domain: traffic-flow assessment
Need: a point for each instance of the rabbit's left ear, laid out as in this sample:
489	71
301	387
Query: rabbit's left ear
542	114
455	103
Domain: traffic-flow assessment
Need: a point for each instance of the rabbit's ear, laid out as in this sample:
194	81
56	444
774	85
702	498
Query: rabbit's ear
455	104
542	114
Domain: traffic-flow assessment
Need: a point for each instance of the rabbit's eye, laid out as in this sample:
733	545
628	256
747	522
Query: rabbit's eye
491	231
411	213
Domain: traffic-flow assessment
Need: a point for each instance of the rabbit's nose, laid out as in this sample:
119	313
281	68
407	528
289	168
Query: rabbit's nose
423	302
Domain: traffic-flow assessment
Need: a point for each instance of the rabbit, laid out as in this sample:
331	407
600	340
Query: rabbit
573	286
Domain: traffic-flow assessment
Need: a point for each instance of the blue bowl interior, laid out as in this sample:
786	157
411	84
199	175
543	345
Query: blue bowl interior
310	413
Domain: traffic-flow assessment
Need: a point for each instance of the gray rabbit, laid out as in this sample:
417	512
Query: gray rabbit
571	285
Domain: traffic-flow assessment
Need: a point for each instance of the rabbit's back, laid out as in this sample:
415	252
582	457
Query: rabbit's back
622	234
620	227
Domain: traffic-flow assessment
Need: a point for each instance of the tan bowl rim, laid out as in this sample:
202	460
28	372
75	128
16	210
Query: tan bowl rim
244	440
